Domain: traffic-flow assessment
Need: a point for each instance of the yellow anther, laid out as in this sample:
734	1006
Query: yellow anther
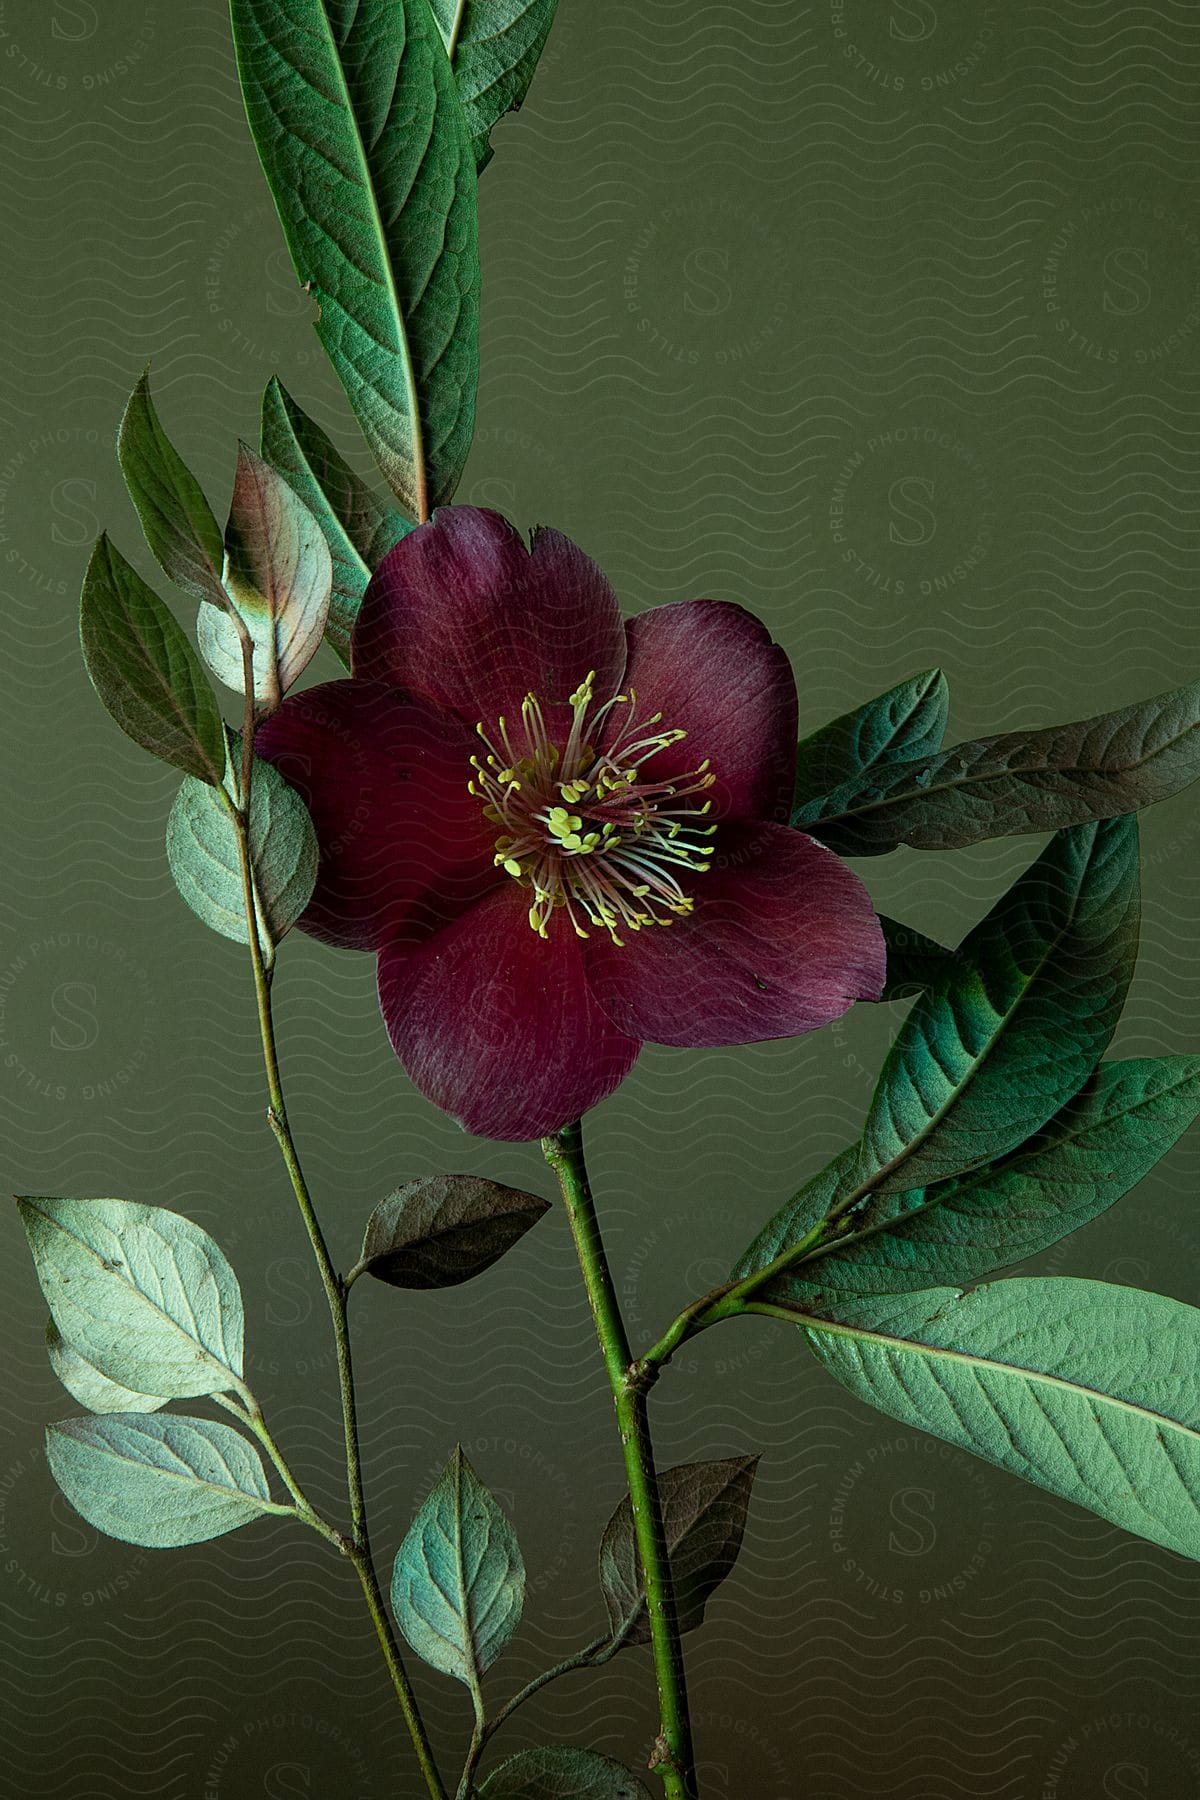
512	866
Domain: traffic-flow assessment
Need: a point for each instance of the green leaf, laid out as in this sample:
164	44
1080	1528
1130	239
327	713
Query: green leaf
202	849
279	579
1018	782
1021	1017
458	1584
84	1382
365	145
160	1481
704	1515
908	721
494	46
915	962
562	1774
176	518
443	1229
1089	1391
144	669
142	1294
1126	1116
359	529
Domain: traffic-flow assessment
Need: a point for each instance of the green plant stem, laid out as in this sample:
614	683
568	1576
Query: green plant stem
590	1657
735	1297
359	1549
673	1758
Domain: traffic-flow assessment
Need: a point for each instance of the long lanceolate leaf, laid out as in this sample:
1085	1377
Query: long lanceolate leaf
908	721
1008	1030
365	145
1087	1390
1019	782
1126	1116
1020	1018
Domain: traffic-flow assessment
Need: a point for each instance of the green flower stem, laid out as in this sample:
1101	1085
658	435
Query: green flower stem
359	1549
673	1757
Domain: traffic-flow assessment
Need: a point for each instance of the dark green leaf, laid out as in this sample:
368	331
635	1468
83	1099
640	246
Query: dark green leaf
142	1294
494	46
1007	1031
1020	781
704	1514
359	529
908	721
144	669
202	849
366	148
915	962
1087	1390
1127	1116
278	578
458	1584
562	1774
443	1229
84	1382
160	1481
1023	1014
176	518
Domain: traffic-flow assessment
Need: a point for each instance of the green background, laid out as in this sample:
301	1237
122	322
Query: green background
881	317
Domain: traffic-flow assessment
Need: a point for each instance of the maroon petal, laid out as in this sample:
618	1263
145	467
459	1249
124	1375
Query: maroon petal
783	938
462	613
711	669
402	843
496	1025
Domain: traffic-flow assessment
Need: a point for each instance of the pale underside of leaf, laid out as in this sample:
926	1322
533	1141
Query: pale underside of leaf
1089	1391
162	1480
143	1294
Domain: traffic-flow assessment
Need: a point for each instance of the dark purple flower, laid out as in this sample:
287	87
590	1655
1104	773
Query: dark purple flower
562	834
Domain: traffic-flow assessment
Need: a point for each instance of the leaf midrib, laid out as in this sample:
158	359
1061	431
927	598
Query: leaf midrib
992	773
420	486
972	1360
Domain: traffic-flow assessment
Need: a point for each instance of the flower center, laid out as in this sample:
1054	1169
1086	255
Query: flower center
590	831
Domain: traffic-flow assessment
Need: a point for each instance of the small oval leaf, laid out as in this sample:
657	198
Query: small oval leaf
144	1295
443	1229
458	1584
562	1774
704	1514
202	849
159	1481
144	669
279	581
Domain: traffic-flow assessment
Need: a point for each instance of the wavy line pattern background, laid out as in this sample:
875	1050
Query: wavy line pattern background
881	316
